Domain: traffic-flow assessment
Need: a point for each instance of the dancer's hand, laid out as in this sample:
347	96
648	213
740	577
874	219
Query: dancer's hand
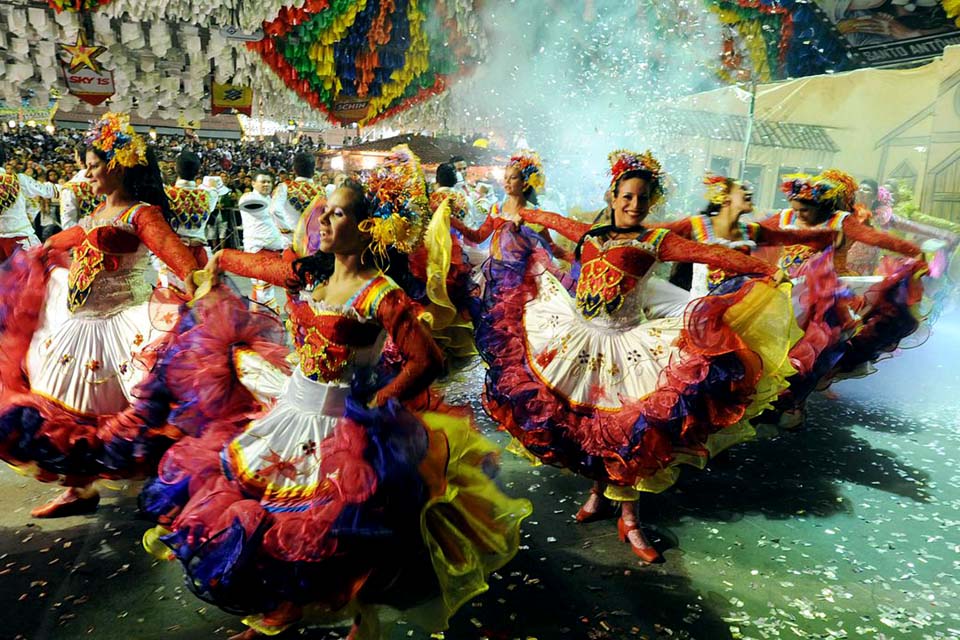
780	277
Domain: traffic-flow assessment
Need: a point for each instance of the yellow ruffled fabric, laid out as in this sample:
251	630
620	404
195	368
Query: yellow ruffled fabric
415	64
765	321
469	526
451	331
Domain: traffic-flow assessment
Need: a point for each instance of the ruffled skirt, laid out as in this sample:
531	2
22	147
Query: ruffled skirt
321	504
82	393
627	406
89	395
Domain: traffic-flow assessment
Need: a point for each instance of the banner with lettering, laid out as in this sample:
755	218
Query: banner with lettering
891	33
88	85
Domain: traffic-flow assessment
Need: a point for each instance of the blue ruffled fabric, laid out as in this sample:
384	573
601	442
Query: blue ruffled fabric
232	569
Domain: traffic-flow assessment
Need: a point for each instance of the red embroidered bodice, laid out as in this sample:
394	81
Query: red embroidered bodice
700	229
612	270
794	256
332	340
118	247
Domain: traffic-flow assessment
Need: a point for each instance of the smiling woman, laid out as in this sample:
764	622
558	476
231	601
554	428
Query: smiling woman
80	401
585	381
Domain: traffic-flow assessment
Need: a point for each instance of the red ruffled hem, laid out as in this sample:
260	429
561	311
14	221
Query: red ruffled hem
823	316
558	434
218	503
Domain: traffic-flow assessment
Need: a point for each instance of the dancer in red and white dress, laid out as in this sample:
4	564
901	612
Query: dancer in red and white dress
80	396
584	380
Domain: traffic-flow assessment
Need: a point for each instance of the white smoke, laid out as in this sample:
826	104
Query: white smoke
576	80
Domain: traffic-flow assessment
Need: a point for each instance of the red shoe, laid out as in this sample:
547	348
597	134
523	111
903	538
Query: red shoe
584	515
67	503
647	554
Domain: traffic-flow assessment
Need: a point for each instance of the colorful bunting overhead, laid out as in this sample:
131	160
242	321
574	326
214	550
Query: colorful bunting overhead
375	57
76	5
769	40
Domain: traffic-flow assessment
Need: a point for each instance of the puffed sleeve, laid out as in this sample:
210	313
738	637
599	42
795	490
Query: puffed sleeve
35	189
270	266
69	208
154	231
673	248
567	227
278	205
859	232
422	359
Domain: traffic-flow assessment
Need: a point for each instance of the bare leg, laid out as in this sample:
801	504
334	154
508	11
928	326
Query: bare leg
73	501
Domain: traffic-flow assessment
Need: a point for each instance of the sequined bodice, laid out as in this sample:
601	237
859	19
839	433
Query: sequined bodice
87	200
108	270
612	278
301	193
332	341
9	190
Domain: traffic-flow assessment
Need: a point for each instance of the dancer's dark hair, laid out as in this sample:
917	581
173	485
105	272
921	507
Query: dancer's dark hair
652	182
143	182
318	267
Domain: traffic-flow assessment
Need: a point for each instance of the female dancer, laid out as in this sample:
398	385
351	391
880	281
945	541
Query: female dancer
885	313
76	341
340	498
587	382
826	201
720	223
522	179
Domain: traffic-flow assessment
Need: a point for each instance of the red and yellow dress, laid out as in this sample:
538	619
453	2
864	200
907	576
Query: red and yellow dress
878	311
76	342
586	381
344	494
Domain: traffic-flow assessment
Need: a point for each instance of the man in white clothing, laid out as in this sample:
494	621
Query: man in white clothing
16	229
260	233
291	197
190	205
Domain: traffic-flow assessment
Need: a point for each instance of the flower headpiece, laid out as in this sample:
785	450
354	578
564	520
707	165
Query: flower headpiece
884	196
719	187
844	188
398	191
830	187
622	161
531	168
115	137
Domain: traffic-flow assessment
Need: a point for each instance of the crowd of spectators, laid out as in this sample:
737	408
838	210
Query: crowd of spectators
55	157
